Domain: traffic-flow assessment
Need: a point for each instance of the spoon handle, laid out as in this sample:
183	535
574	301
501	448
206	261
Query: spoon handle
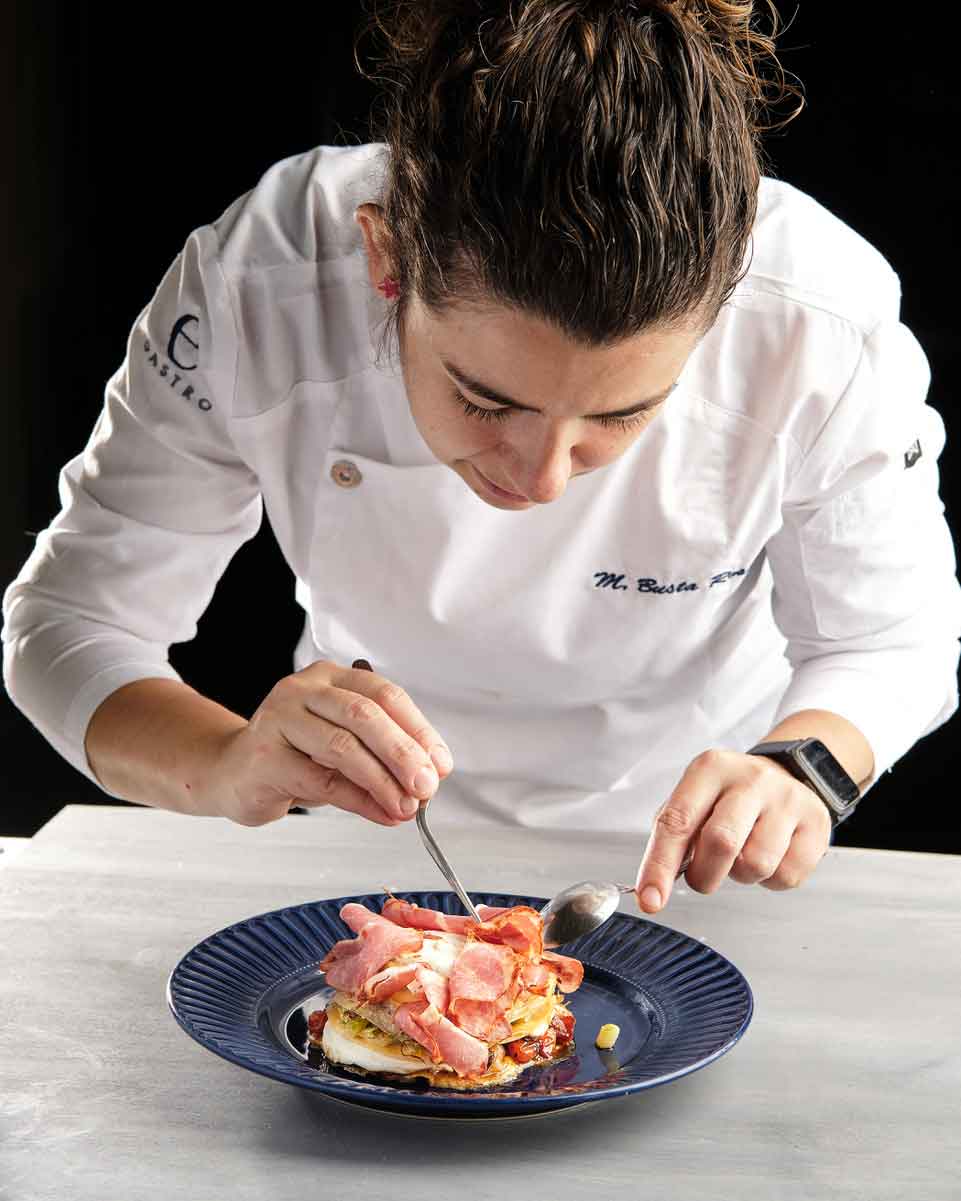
441	860
427	838
685	864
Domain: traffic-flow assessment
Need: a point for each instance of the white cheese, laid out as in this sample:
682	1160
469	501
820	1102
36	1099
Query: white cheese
439	951
343	1049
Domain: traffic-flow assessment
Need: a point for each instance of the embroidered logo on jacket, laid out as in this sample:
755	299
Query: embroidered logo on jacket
912	454
179	332
165	371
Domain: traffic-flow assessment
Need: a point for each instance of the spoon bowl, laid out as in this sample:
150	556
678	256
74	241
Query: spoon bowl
581	908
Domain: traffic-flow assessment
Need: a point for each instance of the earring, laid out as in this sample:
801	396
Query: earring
389	287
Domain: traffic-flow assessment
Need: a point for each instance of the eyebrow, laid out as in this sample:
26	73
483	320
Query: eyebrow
488	393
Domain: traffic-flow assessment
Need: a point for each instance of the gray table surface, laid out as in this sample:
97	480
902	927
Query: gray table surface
847	1083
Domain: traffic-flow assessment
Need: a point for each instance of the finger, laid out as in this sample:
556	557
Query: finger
351	800
676	826
722	837
765	847
398	705
806	851
304	782
335	748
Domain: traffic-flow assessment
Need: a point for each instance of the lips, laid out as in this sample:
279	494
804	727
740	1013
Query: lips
505	492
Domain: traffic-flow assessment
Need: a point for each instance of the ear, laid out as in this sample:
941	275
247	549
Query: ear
370	218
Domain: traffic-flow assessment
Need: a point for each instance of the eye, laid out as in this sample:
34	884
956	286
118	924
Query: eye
623	422
473	410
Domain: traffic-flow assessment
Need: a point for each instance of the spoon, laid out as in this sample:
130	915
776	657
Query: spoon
440	859
428	839
574	912
583	907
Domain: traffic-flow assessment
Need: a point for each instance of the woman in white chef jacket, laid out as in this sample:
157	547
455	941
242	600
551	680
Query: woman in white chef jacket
608	452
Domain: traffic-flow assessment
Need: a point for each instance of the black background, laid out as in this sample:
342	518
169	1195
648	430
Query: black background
121	135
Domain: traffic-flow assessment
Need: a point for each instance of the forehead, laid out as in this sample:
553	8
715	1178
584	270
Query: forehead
525	356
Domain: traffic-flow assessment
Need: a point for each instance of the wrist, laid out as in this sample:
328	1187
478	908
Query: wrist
199	780
843	739
159	742
812	763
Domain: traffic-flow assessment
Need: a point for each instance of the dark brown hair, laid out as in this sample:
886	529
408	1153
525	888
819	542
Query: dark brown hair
594	164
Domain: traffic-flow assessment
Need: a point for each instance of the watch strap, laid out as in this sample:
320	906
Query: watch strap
840	802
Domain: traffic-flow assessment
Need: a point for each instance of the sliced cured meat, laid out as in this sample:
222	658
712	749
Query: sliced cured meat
356	916
392	979
405	1019
486	1020
482	972
489	911
520	928
434	986
352	961
404	913
443	1041
570	972
483	984
537	977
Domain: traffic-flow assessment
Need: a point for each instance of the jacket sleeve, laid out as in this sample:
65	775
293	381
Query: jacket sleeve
863	565
151	512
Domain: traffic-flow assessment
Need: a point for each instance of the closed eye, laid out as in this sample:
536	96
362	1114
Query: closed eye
473	410
622	422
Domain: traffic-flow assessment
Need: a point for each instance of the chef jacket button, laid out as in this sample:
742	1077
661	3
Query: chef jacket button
345	474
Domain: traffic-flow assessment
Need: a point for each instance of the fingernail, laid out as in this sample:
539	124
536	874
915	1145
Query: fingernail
425	782
443	759
408	806
651	898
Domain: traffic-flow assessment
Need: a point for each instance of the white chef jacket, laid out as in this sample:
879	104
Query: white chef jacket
773	541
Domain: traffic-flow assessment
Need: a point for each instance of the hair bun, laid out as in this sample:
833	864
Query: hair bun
411	33
732	29
629	128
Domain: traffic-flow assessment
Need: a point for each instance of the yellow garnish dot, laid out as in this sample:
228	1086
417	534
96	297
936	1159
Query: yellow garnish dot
607	1036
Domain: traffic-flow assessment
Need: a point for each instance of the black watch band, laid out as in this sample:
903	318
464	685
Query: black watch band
810	761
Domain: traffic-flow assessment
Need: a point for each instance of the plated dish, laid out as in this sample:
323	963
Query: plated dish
455	1002
247	992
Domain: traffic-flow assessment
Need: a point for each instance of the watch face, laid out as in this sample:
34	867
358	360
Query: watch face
826	770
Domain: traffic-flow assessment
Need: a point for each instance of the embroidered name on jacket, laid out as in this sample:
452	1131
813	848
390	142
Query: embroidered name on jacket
620	583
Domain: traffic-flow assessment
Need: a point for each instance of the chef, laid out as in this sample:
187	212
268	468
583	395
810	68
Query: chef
633	539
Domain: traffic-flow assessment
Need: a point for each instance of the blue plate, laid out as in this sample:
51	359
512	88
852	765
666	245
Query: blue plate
245	994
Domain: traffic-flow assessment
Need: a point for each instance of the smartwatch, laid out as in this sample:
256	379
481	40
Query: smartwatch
810	761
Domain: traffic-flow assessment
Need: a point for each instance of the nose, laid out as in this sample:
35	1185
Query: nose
543	464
